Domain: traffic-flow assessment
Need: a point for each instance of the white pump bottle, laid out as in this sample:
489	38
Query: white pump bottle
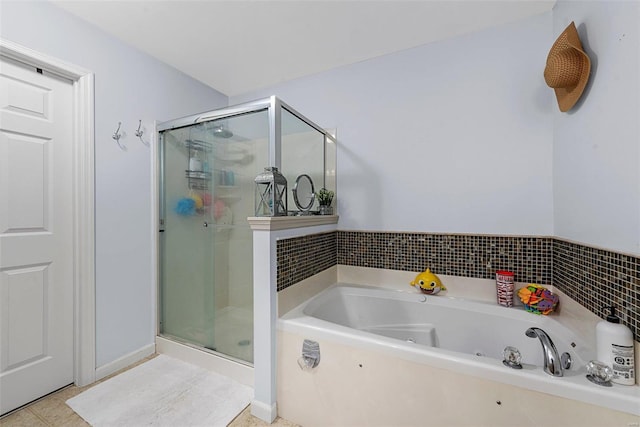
614	342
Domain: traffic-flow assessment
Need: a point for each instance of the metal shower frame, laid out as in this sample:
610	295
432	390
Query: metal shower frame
273	104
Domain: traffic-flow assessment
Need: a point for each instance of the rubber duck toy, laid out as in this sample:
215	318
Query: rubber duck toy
428	283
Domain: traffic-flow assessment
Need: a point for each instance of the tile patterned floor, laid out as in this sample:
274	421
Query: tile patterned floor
245	419
52	411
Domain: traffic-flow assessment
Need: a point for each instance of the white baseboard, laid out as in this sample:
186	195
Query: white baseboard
264	411
124	361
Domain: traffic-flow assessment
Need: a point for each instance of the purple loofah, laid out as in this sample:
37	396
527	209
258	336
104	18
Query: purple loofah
186	206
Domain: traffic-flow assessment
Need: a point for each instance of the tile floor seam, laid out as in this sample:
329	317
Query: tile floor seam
32	412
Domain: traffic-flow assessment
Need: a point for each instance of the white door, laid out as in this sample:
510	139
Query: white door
36	234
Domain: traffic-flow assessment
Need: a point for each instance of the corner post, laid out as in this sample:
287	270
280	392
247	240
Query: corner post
264	405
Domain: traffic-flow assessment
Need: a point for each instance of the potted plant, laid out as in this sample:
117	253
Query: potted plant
325	197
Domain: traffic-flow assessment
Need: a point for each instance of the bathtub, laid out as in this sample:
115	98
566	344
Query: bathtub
461	336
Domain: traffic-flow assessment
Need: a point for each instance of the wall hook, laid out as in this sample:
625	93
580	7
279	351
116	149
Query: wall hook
117	135
140	132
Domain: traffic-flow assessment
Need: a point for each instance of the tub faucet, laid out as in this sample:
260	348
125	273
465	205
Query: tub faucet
552	363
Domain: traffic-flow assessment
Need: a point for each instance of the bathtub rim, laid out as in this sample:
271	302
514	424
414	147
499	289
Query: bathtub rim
575	386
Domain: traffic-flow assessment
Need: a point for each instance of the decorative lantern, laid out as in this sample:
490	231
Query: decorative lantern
271	193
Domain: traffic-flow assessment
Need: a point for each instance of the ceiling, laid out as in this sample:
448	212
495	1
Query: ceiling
240	46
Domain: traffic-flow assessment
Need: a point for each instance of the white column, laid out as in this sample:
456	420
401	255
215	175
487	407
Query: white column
265	308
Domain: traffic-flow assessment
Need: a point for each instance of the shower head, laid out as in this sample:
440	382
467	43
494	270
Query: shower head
221	132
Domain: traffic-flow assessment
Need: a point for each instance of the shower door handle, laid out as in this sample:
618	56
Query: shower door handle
206	224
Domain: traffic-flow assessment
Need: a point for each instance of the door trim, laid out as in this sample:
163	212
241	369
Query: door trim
83	202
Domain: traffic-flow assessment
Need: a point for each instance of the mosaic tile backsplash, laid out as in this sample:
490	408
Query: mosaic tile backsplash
596	278
592	277
454	254
302	257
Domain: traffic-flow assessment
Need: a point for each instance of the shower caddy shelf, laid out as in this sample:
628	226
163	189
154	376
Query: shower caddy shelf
201	181
197	179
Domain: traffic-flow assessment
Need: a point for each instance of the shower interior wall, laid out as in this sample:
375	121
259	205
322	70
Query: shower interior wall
302	148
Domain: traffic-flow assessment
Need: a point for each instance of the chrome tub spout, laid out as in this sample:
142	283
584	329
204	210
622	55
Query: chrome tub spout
552	363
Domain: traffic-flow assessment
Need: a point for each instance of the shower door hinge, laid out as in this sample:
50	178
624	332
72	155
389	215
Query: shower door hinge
161	230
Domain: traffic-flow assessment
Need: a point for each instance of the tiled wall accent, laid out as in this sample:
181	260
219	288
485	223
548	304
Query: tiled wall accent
302	257
597	278
454	254
593	277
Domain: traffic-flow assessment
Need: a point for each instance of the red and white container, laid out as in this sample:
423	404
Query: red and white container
504	287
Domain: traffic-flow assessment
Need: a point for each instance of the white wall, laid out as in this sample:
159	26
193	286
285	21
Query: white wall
128	86
596	152
453	136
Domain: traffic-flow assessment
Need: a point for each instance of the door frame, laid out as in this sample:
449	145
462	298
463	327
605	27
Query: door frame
83	164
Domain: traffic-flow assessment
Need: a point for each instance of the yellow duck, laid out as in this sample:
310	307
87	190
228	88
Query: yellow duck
428	283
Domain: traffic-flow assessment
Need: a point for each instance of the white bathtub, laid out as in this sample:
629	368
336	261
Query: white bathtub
461	326
464	336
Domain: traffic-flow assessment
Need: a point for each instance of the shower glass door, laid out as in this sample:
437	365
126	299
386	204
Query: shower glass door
207	192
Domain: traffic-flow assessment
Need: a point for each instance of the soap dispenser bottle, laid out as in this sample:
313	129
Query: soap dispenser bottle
614	342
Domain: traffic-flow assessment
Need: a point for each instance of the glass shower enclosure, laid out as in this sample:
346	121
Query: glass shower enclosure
207	165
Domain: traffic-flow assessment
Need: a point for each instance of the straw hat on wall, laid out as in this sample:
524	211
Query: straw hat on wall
568	68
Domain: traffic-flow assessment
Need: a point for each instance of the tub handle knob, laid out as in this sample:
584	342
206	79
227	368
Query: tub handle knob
512	357
565	359
599	373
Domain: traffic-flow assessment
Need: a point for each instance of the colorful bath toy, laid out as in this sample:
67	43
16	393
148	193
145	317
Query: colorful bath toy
197	200
218	209
186	206
428	283
538	299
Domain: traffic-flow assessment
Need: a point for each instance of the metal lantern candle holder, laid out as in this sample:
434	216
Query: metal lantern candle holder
271	193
